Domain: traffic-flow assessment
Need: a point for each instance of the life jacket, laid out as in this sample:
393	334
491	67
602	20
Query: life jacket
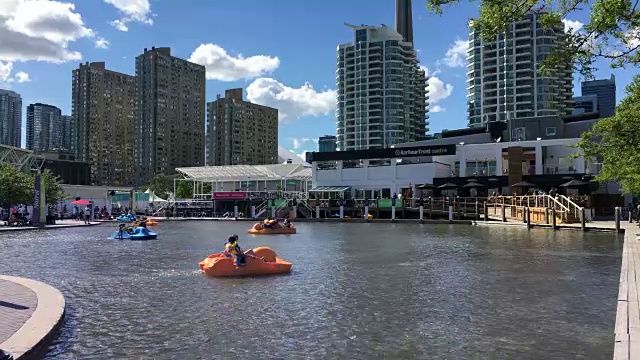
232	248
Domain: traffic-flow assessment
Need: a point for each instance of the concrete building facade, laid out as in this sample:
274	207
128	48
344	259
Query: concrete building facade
404	20
44	123
170	119
503	81
381	91
240	132
103	123
605	92
10	118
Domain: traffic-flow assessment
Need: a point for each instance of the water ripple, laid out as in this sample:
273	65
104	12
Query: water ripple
358	291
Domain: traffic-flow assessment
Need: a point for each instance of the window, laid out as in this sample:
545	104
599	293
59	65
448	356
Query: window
550	131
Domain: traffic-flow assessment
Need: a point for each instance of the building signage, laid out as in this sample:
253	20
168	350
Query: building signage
388	153
39	202
230	195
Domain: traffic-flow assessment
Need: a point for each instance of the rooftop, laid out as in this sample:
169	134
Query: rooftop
247	172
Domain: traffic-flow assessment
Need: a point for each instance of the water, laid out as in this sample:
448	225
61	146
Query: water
358	291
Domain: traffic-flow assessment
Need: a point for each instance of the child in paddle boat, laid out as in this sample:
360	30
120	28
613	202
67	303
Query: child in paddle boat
268	224
287	221
231	248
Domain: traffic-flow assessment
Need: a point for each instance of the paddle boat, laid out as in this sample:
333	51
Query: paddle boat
126	217
276	228
137	233
148	221
259	261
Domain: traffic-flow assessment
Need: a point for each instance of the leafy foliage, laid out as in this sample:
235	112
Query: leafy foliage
616	141
16	187
613	31
52	187
161	185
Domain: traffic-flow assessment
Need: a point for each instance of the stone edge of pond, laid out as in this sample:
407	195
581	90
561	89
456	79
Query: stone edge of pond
49	227
32	340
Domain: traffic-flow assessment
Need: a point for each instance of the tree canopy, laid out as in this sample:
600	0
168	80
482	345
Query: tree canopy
616	142
16	187
612	33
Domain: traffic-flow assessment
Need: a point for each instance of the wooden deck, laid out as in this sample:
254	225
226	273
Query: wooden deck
627	328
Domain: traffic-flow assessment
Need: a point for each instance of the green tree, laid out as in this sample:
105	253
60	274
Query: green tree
184	190
612	33
52	187
616	142
16	187
161	185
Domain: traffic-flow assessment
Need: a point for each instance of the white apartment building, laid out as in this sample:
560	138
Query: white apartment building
381	91
503	81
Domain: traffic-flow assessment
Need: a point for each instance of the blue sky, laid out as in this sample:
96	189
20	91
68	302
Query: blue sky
282	51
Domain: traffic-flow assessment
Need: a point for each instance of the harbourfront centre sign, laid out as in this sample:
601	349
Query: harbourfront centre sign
388	153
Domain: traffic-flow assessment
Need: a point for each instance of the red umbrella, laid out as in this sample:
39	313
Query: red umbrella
80	202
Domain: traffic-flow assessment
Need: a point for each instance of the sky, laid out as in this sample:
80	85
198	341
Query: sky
282	52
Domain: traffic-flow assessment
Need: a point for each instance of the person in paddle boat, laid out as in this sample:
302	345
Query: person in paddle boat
143	222
287	221
268	223
124	228
232	249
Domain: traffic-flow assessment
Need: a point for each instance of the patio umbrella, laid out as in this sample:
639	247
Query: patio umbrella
447	186
473	185
425	187
80	202
524	184
575	184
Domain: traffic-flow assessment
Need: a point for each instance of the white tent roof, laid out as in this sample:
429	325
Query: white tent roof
284	155
247	172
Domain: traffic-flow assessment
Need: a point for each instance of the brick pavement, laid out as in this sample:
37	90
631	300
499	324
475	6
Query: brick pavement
17	304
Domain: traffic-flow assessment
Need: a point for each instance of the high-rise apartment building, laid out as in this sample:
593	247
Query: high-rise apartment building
327	143
503	81
10	118
103	116
404	20
43	127
170	120
67	134
240	132
381	91
605	91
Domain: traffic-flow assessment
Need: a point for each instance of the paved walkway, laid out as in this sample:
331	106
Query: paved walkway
60	224
627	329
30	314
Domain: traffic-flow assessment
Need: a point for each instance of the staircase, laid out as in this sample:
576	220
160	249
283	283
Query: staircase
305	209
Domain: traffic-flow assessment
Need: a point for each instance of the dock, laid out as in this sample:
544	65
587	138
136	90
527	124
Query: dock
627	328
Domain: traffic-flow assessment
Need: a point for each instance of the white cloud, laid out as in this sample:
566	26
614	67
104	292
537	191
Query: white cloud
437	109
102	43
456	55
5	71
292	103
5	74
438	90
22	77
222	66
300	142
572	25
40	30
132	11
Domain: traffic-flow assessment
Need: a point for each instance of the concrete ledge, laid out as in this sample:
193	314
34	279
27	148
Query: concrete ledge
32	340
48	227
334	220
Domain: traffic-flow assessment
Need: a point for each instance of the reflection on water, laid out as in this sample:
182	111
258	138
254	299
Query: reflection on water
357	291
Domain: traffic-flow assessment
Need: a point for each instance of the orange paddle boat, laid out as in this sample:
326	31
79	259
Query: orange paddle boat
259	229
149	223
259	261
